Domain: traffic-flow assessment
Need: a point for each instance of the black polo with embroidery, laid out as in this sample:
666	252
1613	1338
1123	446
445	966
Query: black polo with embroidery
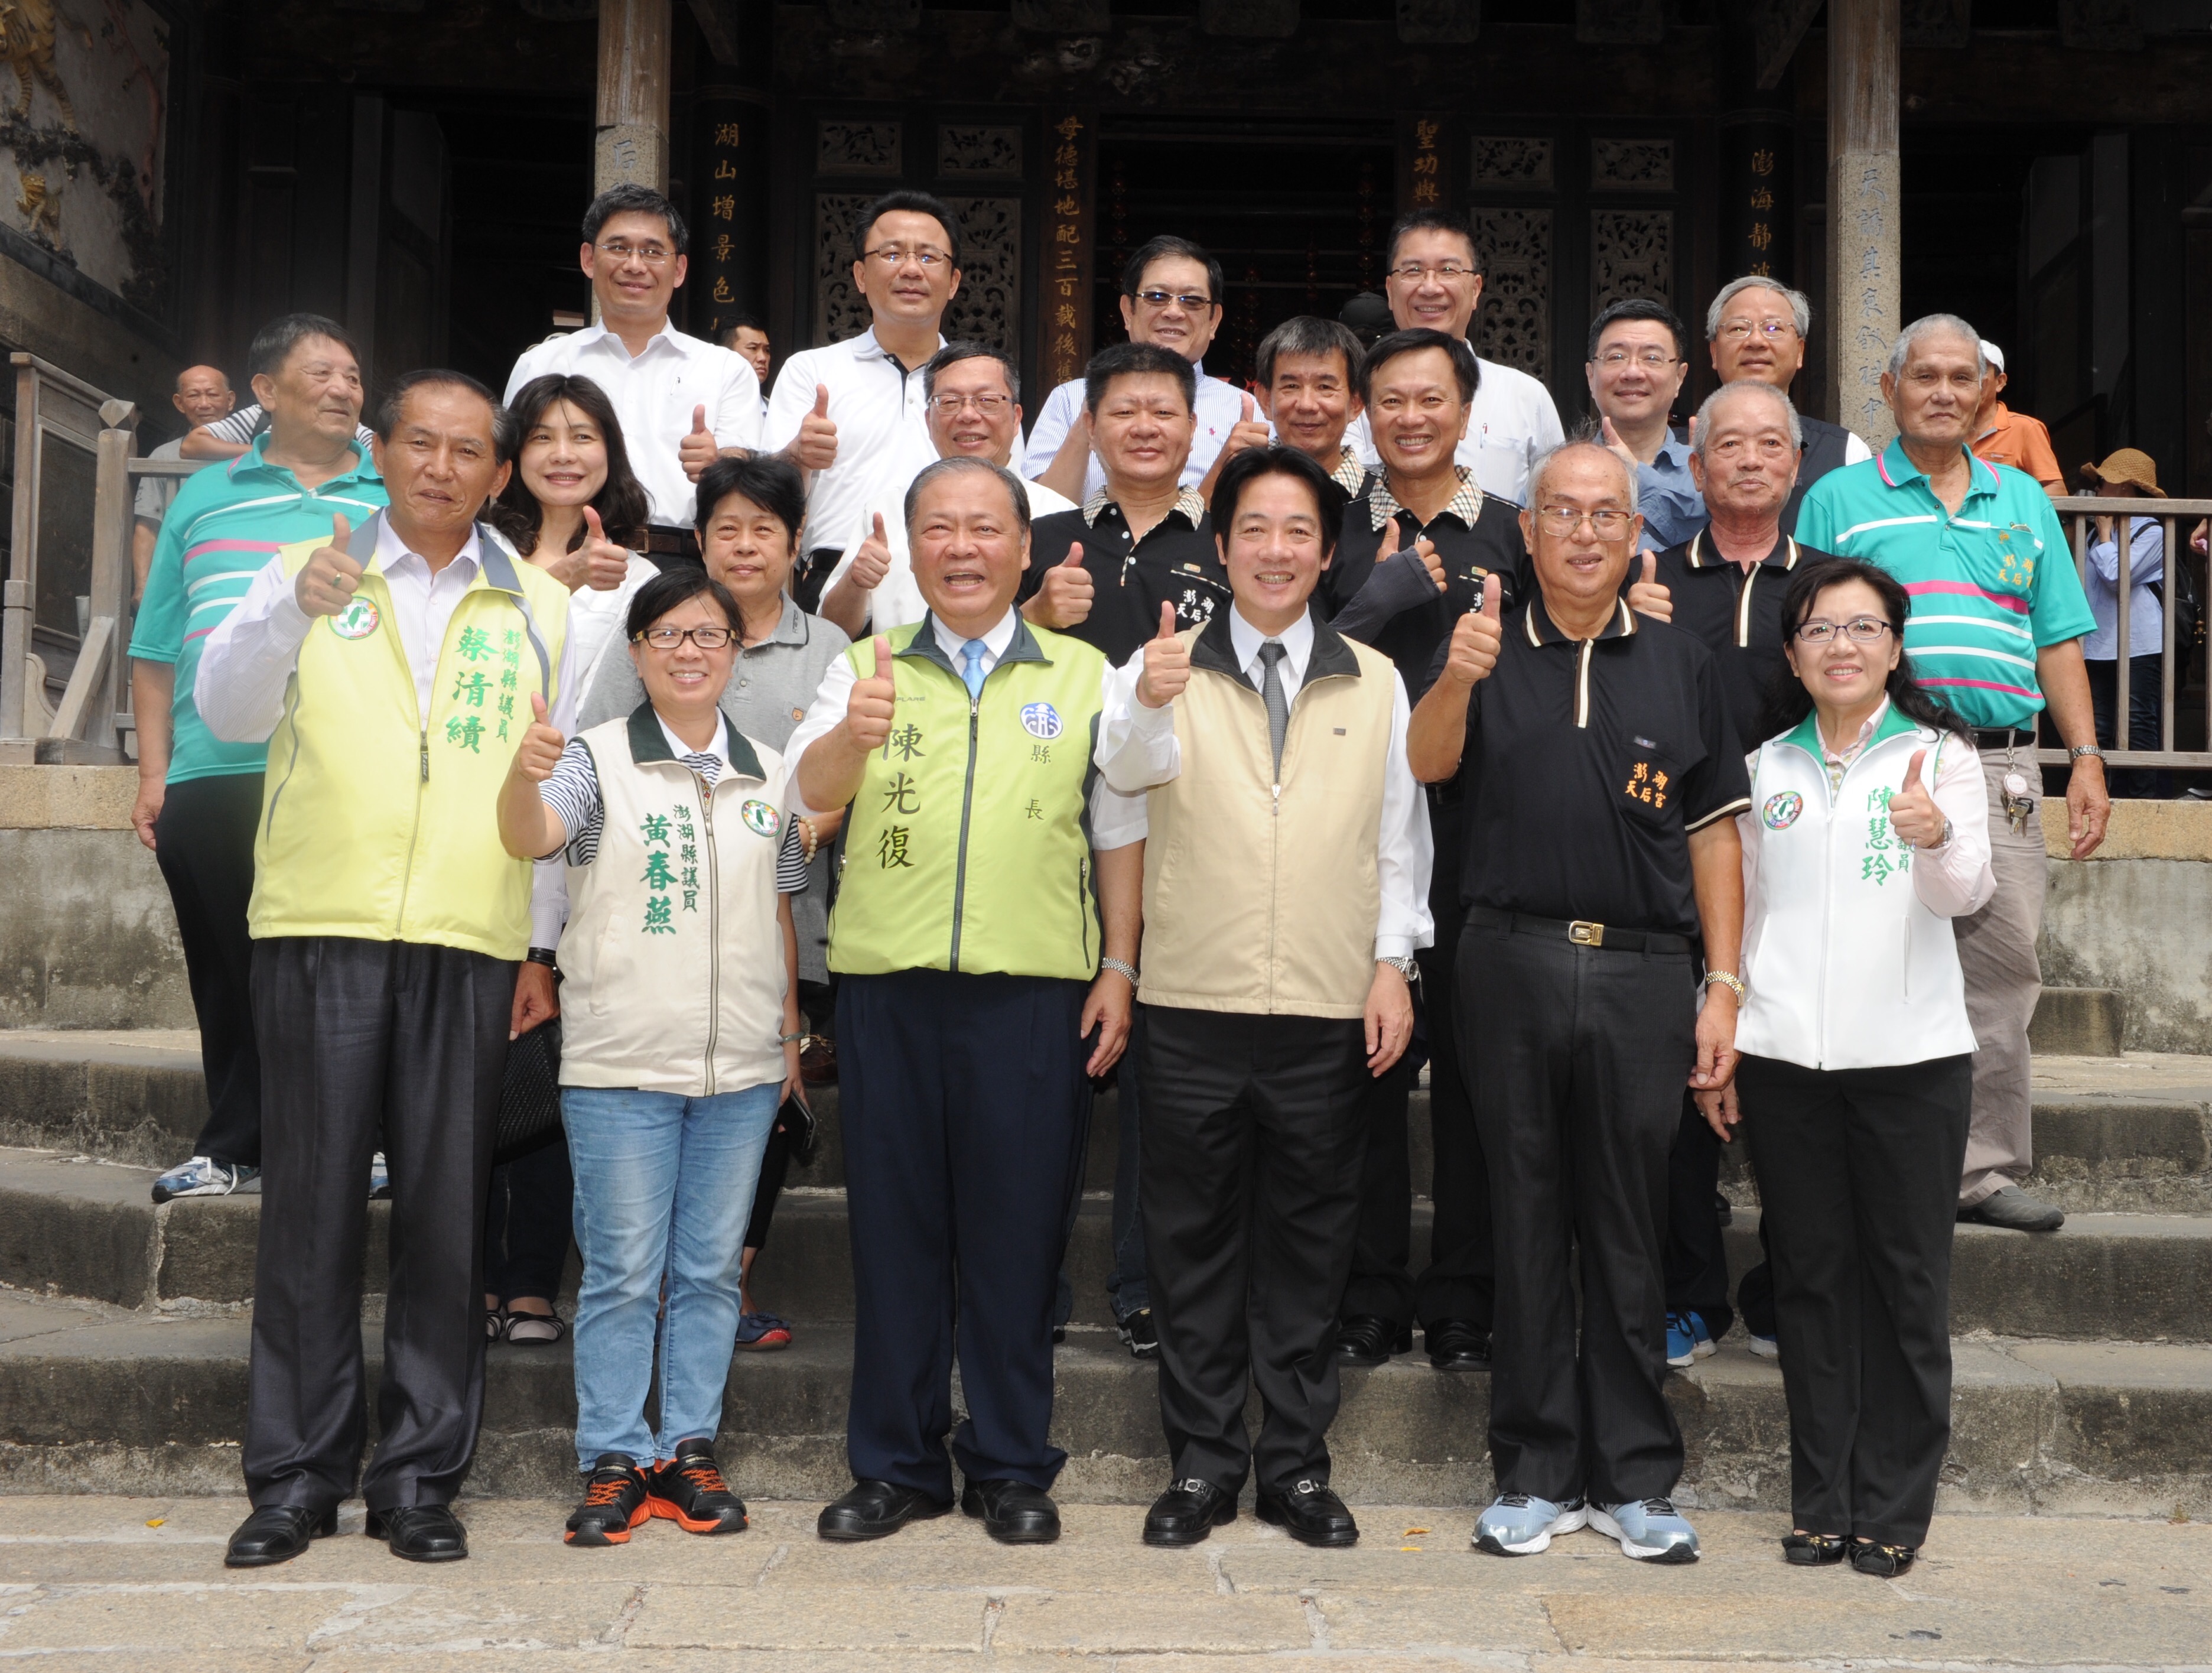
1174	563
1735	614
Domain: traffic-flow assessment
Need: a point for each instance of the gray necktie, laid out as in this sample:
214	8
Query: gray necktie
1271	693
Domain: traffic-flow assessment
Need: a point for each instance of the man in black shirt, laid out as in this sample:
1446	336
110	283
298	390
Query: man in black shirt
1417	547
1309	370
1601	774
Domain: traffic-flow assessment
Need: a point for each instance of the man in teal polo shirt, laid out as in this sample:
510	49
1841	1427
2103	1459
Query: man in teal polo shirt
1996	631
199	798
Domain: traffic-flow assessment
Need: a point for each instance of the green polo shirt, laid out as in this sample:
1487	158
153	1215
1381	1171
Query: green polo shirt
224	526
1990	586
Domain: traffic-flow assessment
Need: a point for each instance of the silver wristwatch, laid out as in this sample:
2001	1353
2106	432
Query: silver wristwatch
1405	967
2079	750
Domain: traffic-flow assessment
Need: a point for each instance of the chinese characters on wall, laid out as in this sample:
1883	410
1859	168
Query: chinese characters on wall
729	182
1756	201
1065	329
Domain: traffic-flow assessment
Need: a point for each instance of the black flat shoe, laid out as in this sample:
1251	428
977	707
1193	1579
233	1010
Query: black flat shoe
1455	1345
421	1533
1013	1513
1365	1339
1140	1336
1884	1562
874	1509
1812	1550
1309	1514
277	1533
1188	1511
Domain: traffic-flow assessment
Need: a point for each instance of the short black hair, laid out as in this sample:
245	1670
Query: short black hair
273	343
673	586
1640	308
1133	272
632	199
1433	221
953	353
912	202
743	322
1124	360
384	419
1303	334
1276	460
1389	347
773	485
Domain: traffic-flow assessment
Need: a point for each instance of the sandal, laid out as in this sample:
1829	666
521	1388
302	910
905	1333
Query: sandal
1814	1550
1884	1562
759	1331
495	1323
543	1330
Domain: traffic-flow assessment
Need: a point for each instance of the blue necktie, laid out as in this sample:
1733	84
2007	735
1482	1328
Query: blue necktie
973	653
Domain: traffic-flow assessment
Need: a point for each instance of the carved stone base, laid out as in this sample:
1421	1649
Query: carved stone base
629	154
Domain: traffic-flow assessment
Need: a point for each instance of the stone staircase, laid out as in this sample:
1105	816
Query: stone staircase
2084	1379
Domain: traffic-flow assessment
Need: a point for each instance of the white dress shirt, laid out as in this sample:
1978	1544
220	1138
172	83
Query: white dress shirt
897	598
1116	820
655	395
1512	421
883	433
1137	749
1220	408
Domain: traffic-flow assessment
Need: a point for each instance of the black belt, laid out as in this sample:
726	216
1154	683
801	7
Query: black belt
670	542
2002	737
1580	931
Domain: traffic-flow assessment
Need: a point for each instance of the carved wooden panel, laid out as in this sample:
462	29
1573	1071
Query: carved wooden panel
858	147
1942	24
1517	291
989	308
1515	161
1632	165
840	311
986	151
1631	255
1439	22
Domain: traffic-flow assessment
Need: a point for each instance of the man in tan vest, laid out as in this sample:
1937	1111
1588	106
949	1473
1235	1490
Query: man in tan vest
1286	880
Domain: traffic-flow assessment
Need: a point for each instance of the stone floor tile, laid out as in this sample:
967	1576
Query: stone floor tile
1096	1623
247	1619
455	1611
1442	1619
750	1618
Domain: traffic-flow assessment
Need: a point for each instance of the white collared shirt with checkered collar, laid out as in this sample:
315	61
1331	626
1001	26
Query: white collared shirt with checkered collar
1382	505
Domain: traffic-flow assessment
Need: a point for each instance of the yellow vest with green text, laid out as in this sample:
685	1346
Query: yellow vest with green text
966	848
374	825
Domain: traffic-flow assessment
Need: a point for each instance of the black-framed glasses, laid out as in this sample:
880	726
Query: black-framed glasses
1860	630
706	638
1563	520
1189	298
653	255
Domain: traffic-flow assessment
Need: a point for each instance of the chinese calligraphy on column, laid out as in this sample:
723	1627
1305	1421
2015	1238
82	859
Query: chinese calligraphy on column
1756	201
729	176
1426	179
1064	333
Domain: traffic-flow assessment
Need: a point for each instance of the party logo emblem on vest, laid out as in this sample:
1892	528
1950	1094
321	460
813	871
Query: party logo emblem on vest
760	818
1041	720
1781	809
357	621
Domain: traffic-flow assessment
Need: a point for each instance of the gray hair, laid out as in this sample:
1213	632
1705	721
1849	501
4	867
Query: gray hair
1304	334
1800	309
958	463
1746	386
1933	324
1584	437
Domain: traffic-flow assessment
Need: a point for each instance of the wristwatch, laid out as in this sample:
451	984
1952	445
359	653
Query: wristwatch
1728	979
1405	967
1944	841
1121	967
542	956
2079	750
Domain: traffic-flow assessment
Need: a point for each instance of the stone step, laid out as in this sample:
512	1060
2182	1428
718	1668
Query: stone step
95	1399
2082	1022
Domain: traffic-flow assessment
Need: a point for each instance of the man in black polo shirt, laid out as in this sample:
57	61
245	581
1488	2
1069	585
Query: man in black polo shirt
1309	370
1414	550
1601	774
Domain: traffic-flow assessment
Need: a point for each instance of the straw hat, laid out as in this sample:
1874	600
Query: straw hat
2129	464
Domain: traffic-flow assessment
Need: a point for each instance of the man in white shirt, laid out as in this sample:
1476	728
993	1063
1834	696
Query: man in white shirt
683	401
1170	296
971	392
850	414
748	336
1435	281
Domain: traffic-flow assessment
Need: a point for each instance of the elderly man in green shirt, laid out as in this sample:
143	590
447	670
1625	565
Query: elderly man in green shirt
1998	621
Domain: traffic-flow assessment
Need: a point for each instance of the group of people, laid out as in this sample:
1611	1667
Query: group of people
1246	746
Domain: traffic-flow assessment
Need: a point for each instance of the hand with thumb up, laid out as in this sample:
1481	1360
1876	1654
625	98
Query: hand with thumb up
698	449
868	709
327	583
606	565
815	446
1913	814
1252	430
1167	665
1064	599
1649	597
873	560
1476	639
541	746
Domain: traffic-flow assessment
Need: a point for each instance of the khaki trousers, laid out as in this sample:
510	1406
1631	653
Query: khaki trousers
1997	951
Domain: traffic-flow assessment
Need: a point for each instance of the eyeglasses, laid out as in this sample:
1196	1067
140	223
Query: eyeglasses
1564	519
653	255
1189	300
1860	629
1413	272
1734	331
706	638
898	255
989	405
1652	359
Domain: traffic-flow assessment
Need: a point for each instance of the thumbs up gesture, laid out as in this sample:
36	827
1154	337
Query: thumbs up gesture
331	577
1913	814
815	446
698	449
1476	638
868	709
1249	431
873	561
1064	599
606	565
1167	665
541	746
1647	597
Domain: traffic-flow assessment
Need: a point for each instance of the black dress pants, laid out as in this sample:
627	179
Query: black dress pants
1697	1255
203	842
528	1223
1857	1172
1461	1279
1381	1284
1578	1056
1251	1150
362	1039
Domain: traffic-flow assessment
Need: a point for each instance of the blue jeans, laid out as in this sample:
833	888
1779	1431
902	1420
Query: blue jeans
664	1189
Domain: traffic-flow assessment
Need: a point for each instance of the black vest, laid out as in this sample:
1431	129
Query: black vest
1823	452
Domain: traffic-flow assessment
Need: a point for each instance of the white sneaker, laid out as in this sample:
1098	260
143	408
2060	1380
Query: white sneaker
203	1176
1520	1524
1649	1529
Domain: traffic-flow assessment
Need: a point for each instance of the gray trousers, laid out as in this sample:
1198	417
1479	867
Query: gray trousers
1997	950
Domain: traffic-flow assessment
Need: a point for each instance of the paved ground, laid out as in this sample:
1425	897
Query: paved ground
93	1583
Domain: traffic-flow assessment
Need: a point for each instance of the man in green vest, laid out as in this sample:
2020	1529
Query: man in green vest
390	668
987	926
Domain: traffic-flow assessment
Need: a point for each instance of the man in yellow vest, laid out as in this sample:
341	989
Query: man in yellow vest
1287	886
391	669
987	926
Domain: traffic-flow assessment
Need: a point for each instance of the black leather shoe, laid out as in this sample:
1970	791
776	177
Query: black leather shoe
1013	1513
1365	1339
1309	1514
421	1533
874	1509
277	1533
1188	1511
1140	1336
1455	1345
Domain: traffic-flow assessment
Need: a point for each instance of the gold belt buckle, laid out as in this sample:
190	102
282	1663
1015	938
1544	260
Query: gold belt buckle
1583	934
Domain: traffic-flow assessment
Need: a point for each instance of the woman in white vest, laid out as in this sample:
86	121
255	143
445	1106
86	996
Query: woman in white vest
1868	833
680	1018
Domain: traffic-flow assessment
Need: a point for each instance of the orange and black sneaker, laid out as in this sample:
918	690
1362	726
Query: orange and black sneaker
614	1503
689	1491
